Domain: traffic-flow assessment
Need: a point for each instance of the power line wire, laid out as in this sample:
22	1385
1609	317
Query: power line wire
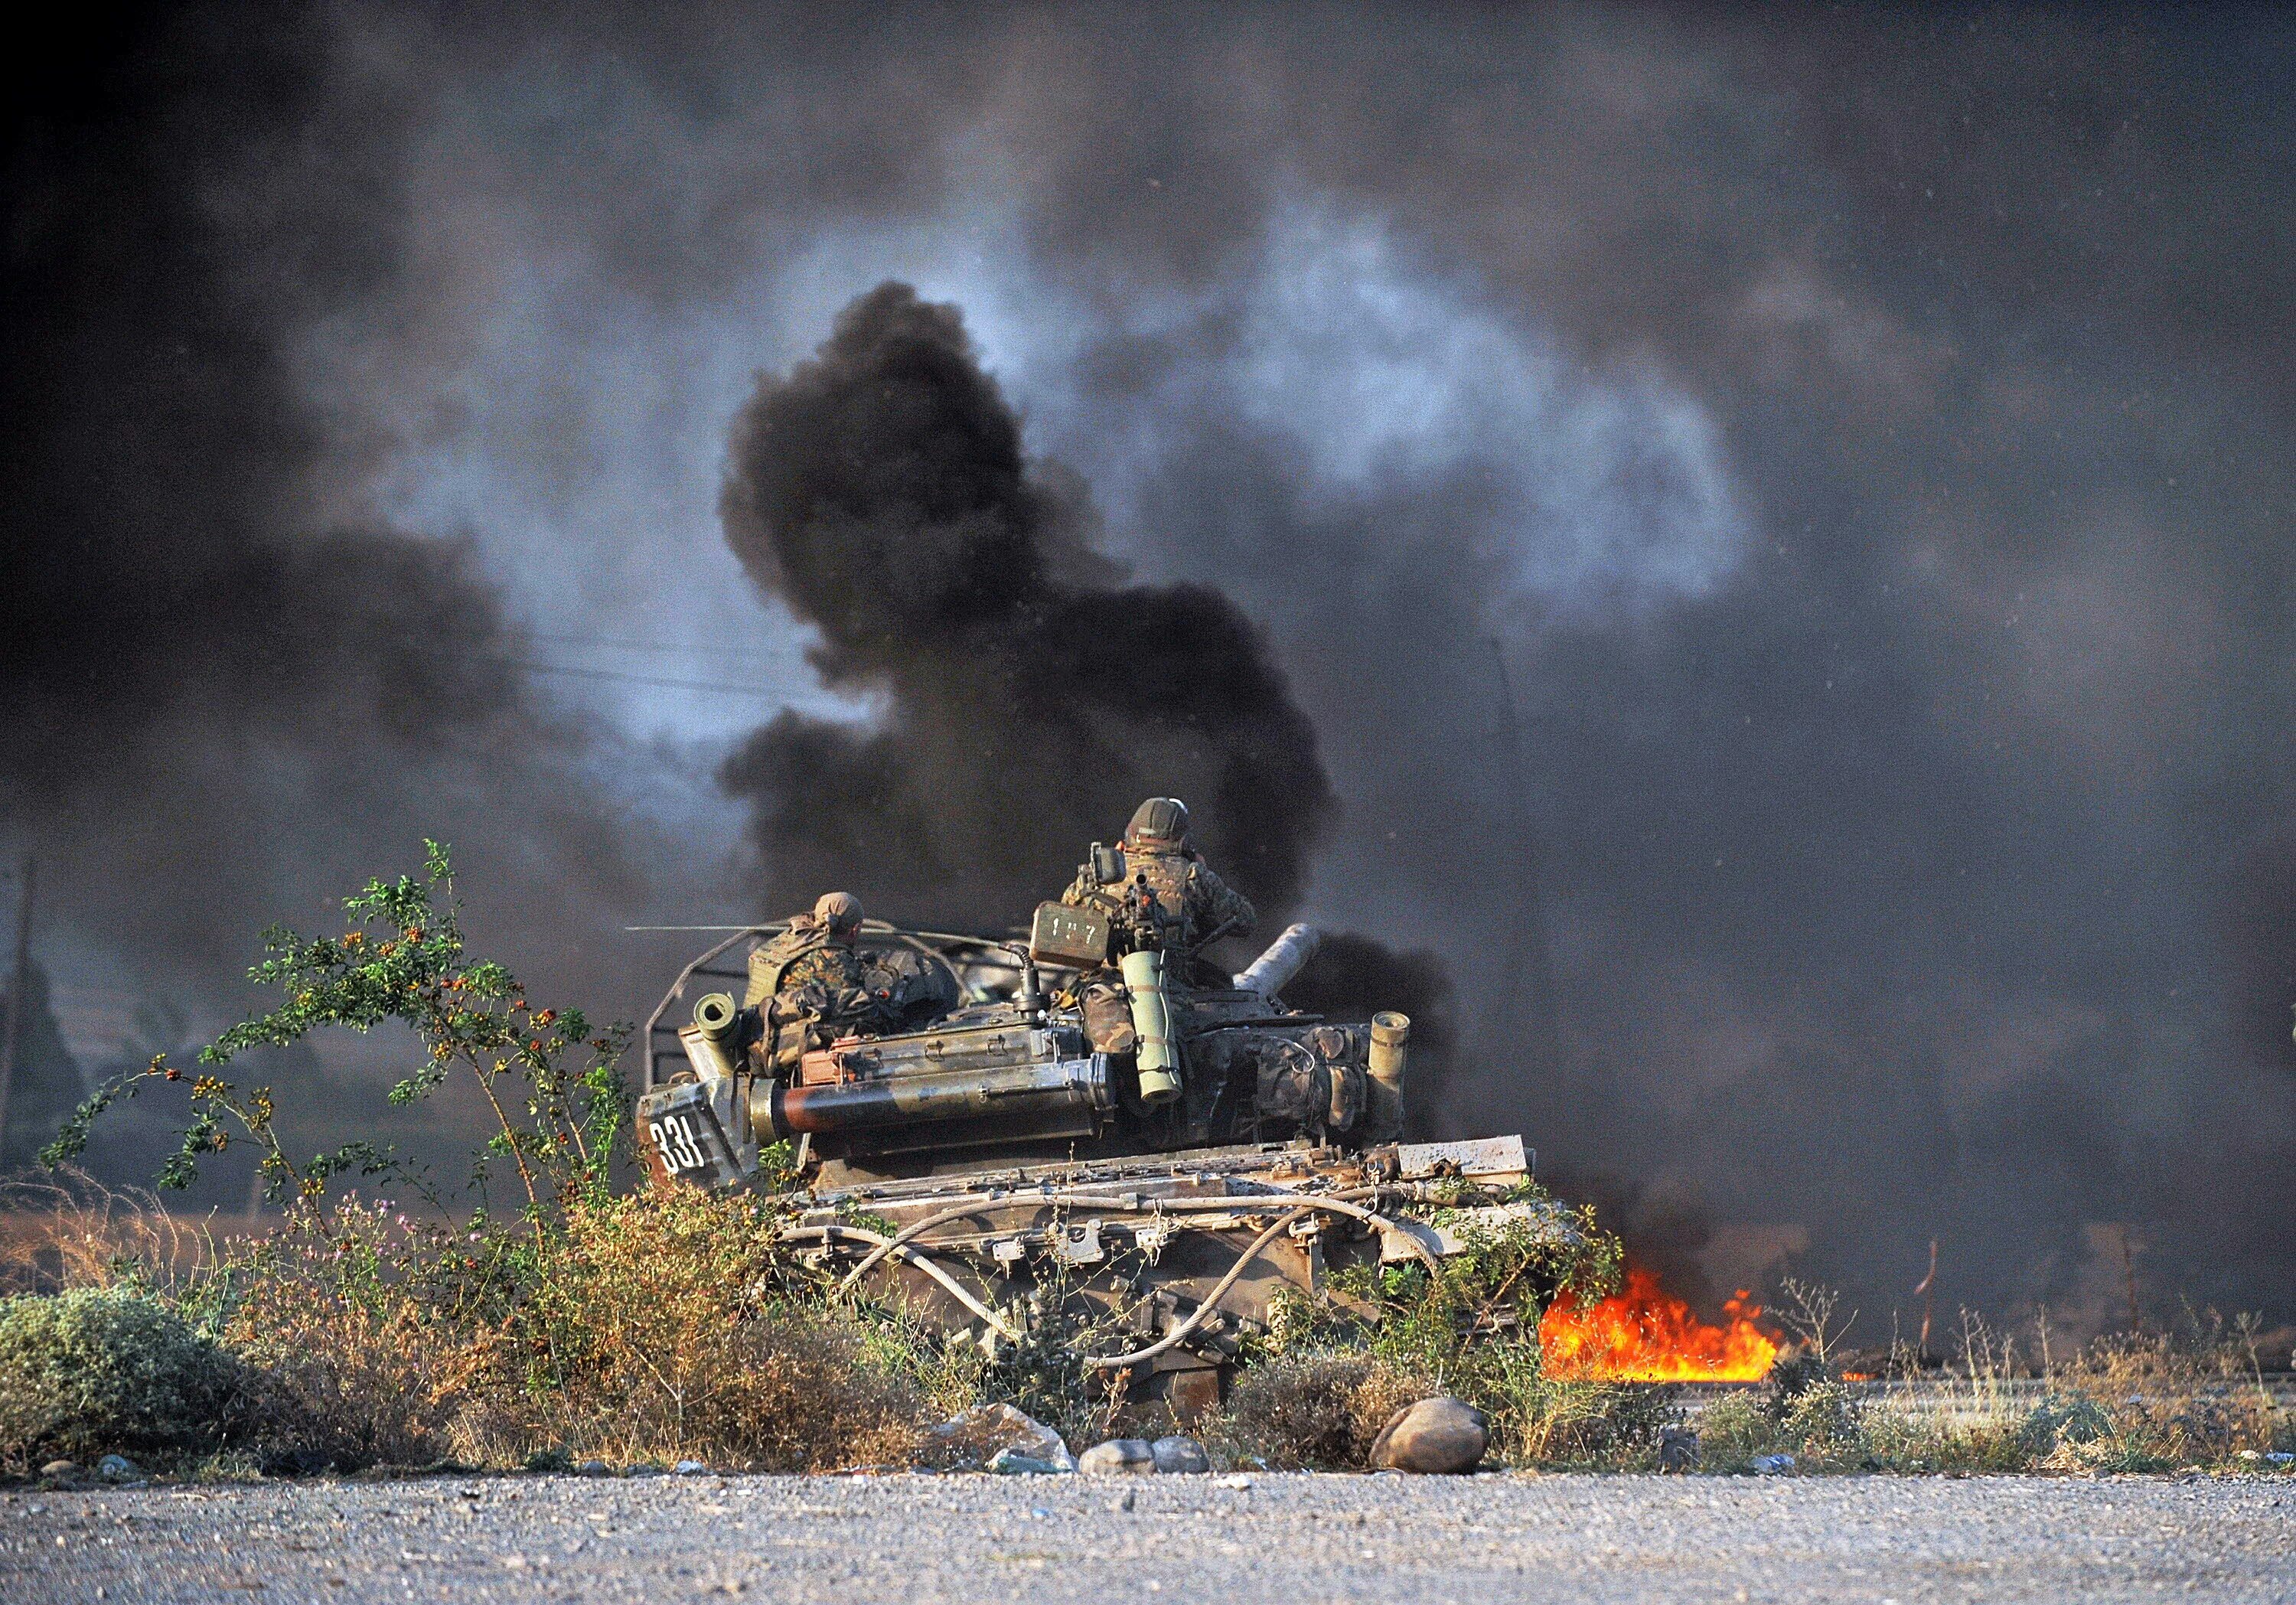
291	633
749	655
627	679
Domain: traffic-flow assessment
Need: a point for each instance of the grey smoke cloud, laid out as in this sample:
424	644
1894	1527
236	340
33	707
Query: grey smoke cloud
1866	440
232	687
1373	366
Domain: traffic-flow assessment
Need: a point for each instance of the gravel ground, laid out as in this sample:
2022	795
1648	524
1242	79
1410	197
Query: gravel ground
921	1540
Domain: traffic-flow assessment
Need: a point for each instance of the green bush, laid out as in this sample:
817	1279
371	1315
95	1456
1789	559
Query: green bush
1734	1430
107	1370
2063	1420
1822	1421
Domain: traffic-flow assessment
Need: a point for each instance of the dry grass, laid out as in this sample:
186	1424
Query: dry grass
67	1230
667	1327
1317	1410
646	1329
2156	1402
354	1364
2167	1400
664	1328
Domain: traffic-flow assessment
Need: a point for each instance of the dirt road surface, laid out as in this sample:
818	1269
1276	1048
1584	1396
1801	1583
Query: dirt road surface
1299	1540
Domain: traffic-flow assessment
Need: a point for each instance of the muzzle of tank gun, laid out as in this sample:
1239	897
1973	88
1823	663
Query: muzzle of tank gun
1273	969
1390	1041
708	1041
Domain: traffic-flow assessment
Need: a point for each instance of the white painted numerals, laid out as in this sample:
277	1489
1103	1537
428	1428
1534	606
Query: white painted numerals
679	1145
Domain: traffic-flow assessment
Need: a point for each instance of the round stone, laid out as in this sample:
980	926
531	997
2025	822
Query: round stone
1118	1457
1437	1436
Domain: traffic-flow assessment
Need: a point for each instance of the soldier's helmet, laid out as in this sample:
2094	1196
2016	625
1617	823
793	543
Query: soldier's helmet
840	914
1159	822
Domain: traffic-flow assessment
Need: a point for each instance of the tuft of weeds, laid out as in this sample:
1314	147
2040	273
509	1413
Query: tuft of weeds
1734	1430
1316	1411
2191	1396
1596	1426
67	1230
109	1369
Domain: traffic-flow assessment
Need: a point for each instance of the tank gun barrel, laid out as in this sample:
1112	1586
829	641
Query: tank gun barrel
1273	969
1019	1099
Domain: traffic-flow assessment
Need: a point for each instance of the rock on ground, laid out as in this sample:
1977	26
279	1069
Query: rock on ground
981	1435
1182	1456
1438	1435
1118	1457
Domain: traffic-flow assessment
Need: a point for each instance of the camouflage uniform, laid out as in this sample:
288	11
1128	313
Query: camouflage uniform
811	987
1184	899
1182	887
830	985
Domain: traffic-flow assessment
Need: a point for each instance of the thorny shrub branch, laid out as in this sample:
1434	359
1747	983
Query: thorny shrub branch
554	1085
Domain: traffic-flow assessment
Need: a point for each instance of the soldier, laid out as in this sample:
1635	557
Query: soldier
809	984
912	991
1167	895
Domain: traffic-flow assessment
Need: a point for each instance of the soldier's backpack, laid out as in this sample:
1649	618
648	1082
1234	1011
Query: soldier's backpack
783	1041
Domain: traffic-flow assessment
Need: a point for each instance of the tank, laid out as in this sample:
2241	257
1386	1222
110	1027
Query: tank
1167	1144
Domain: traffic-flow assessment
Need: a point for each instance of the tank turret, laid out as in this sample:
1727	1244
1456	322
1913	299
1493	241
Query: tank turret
1021	1068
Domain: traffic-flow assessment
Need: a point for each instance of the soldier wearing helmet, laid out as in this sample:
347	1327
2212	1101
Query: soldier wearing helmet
1164	891
809	984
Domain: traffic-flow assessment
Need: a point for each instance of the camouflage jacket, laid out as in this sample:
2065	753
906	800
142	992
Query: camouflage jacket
825	984
1191	900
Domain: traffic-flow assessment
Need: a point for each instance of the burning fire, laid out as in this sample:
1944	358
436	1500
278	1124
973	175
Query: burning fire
1644	1334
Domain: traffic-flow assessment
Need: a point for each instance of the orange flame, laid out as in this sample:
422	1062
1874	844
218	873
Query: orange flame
1644	1334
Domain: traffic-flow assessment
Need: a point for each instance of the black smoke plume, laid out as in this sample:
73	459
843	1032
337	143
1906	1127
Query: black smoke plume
229	689
1030	699
225	682
173	574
